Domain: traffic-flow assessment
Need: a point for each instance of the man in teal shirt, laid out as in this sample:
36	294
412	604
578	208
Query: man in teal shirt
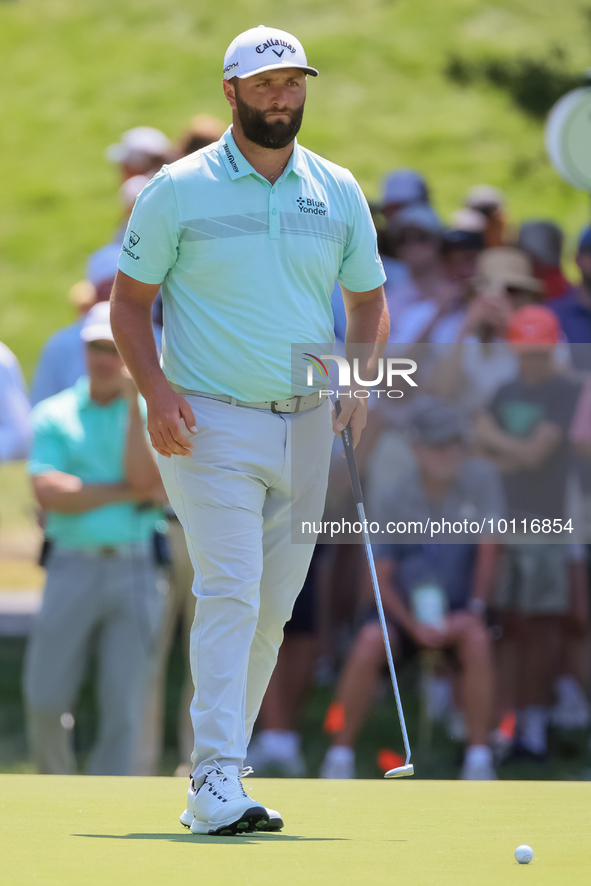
247	238
94	473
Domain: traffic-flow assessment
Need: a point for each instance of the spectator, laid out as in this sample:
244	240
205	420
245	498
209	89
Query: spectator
489	202
414	237
94	473
15	431
525	432
542	240
525	428
445	484
439	320
468	220
572	709
401	188
179	608
202	131
573	307
128	194
460	251
141	151
101	269
62	360
480	361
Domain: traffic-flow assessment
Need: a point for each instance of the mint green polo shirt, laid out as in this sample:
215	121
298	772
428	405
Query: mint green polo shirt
76	435
247	268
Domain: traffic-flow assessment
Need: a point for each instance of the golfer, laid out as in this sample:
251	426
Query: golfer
246	238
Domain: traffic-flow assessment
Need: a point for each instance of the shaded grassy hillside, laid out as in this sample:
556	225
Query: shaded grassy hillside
401	83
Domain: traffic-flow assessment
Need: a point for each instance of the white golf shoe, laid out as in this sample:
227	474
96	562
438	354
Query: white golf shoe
221	806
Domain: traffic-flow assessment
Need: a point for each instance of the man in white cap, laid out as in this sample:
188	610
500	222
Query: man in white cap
141	151
94	474
246	237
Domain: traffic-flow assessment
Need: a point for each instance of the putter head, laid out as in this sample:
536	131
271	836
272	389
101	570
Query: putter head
400	771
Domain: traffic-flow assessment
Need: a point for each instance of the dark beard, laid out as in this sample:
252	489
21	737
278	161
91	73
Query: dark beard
268	135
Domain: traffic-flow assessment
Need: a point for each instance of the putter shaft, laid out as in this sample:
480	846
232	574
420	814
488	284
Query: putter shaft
407	769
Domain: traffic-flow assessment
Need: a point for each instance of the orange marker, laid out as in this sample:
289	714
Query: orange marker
335	718
507	726
388	759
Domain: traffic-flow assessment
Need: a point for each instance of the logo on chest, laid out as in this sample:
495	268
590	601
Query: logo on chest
311	206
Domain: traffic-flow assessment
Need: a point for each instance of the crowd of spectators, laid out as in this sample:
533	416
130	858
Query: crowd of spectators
497	435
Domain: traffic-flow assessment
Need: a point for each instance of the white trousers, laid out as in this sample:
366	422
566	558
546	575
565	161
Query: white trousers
251	473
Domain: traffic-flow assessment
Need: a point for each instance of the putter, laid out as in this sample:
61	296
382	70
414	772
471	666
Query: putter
408	768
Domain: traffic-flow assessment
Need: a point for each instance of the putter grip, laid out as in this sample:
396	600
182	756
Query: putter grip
350	456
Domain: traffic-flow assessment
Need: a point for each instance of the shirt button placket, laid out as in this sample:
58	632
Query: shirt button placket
274	216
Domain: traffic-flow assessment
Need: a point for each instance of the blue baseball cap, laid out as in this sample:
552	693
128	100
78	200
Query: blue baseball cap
418	215
404	186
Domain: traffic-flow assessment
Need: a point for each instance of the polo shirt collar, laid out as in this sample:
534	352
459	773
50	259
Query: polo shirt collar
83	398
297	161
238	166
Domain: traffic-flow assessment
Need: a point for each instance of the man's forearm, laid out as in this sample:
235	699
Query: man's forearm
55	497
131	321
529	452
368	325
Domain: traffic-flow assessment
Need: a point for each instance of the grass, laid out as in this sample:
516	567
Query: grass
409	832
77	75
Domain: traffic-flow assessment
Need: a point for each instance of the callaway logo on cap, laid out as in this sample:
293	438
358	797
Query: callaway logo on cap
264	49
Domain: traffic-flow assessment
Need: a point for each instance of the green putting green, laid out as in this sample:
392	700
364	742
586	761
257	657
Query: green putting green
111	831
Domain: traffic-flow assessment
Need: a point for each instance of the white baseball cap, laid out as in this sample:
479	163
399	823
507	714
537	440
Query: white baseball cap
484	195
97	324
142	141
264	49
